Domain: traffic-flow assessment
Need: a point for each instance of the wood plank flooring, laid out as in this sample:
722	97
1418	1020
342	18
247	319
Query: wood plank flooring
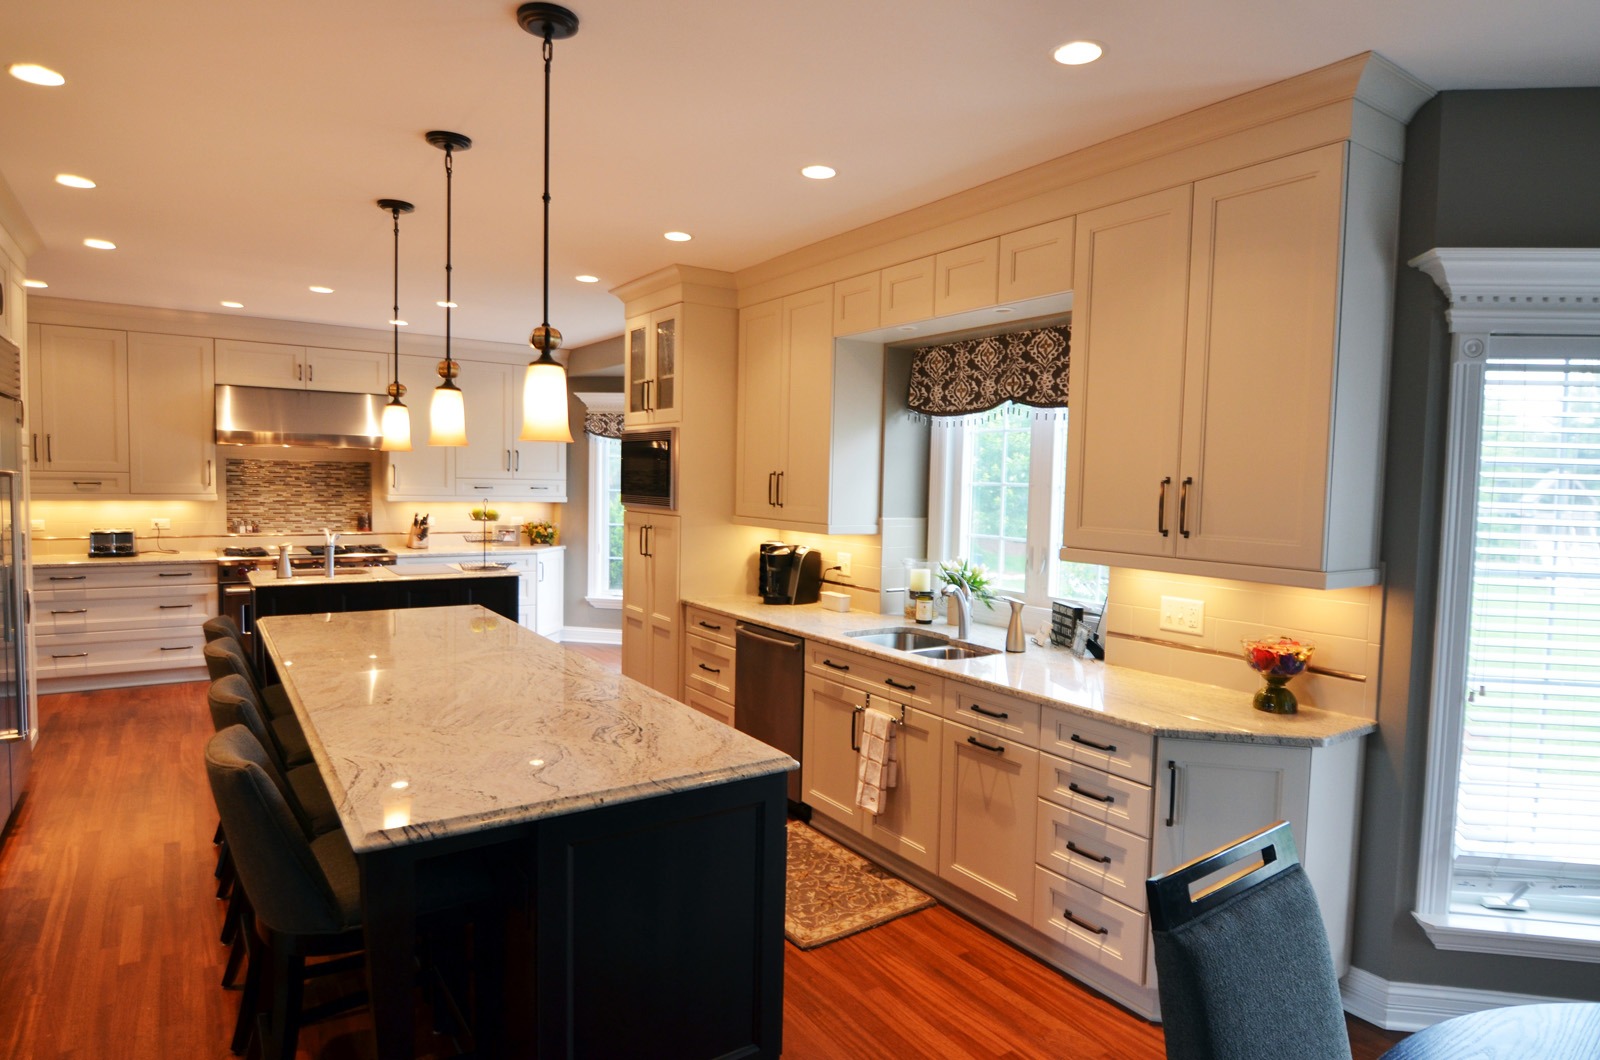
108	928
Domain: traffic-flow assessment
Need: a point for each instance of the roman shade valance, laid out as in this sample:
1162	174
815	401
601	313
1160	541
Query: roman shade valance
976	375
604	424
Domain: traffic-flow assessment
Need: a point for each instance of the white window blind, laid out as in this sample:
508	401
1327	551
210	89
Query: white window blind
1528	792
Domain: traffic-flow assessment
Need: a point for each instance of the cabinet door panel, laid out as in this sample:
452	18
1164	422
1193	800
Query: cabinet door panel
1036	261
242	363
986	834
1214	793
856	304
171	436
828	760
906	293
636	575
762	410
1127	375
964	278
664	386
491	396
909	823
808	345
84	393
636	357
425	472
1264	277
550	592
347	371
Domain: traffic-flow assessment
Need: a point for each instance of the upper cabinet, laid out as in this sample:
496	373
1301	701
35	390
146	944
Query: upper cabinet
273	364
1228	373
171	433
810	417
1035	261
650	355
78	410
424	472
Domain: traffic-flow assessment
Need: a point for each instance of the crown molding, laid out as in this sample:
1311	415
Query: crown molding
1517	289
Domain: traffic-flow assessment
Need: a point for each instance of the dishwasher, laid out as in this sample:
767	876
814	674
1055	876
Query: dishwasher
769	691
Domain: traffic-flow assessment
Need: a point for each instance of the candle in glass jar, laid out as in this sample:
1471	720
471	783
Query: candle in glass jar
921	580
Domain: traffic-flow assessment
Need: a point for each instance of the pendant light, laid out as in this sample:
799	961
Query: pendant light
447	416
396	417
544	387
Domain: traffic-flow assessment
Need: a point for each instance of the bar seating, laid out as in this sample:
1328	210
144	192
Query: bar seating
224	657
1243	965
273	699
305	897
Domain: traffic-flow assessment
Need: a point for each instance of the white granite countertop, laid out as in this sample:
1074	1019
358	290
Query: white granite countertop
68	560
457	549
305	577
1145	702
435	721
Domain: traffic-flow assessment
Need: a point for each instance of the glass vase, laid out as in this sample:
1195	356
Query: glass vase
1274	697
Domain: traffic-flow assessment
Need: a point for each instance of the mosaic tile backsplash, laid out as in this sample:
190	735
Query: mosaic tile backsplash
298	496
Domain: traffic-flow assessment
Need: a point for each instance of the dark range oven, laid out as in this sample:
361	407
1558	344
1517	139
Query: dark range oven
235	564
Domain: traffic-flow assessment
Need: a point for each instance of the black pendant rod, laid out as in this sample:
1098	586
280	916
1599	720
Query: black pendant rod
396	207
549	50
449	299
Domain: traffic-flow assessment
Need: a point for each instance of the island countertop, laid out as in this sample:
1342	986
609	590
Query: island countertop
1135	699
437	721
307	577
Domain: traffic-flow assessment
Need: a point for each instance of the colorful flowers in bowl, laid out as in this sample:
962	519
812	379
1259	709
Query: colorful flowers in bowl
540	533
1277	659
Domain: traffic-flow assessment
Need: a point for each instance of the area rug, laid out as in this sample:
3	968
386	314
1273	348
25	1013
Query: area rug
833	892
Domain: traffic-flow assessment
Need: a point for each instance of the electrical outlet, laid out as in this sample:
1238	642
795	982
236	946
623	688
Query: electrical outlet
161	524
36	525
1181	615
844	564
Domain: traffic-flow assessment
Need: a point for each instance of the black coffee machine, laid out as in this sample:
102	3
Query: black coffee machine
790	574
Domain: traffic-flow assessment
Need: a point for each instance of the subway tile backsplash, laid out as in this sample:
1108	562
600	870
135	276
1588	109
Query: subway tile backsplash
299	496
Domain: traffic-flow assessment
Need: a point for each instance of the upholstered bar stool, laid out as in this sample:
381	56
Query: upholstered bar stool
224	658
274	701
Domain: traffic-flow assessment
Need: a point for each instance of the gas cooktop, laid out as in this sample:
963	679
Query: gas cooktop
252	551
349	550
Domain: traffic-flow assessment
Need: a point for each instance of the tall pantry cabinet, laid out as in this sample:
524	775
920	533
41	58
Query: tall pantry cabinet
688	324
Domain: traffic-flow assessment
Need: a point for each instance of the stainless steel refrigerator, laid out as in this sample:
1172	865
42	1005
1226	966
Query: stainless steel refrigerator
16	723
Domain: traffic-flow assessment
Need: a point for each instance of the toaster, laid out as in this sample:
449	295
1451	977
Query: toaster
111	543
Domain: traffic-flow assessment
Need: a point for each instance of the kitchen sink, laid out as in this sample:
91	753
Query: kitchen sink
953	651
901	639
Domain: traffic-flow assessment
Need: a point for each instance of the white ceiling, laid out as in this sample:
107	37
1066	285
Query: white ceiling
239	148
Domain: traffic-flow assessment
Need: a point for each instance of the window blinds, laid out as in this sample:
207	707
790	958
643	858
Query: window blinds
1529	788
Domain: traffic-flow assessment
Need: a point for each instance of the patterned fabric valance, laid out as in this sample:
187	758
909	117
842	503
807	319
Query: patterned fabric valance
975	375
605	424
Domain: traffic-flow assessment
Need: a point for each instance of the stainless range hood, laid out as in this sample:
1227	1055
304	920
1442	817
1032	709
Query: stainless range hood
258	415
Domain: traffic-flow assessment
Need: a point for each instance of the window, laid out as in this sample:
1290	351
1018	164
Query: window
1513	848
605	521
996	486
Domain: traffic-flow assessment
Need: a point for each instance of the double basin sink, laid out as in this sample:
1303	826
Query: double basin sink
921	643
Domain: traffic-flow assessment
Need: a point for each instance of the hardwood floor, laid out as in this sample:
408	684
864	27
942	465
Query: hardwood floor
108	928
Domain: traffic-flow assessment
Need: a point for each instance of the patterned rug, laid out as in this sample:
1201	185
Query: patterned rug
833	892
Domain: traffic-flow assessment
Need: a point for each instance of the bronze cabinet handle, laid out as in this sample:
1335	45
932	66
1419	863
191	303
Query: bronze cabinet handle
1183	507
1161	506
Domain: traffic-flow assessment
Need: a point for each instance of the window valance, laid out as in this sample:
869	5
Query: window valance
976	375
604	424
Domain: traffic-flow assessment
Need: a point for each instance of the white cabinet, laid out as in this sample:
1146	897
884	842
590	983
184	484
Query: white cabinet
424	472
964	278
988	805
171	430
651	367
543	591
810	420
120	624
1035	261
1228	373
273	364
13	302
650	645
494	464
78	389
905	293
710	664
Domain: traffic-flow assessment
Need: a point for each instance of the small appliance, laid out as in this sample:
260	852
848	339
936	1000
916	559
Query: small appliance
111	543
649	472
790	574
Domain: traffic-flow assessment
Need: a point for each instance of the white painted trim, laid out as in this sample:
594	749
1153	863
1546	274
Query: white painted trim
1547	291
1511	937
1413	1006
604	603
590	635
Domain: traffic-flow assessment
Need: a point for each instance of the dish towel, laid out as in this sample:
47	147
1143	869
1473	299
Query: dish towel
878	770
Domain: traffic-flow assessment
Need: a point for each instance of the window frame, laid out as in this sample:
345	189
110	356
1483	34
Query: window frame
599	593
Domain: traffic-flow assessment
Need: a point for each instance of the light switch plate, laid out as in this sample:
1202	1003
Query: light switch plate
1182	615
844	564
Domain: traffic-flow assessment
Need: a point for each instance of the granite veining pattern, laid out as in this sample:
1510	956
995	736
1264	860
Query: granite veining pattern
1136	699
307	577
430	722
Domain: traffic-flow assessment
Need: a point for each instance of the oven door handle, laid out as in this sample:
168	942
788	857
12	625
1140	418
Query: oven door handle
236	590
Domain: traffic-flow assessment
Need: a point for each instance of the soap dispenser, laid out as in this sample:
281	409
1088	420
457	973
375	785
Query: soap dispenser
1016	640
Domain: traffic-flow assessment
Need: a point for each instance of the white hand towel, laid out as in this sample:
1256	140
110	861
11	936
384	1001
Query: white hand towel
877	768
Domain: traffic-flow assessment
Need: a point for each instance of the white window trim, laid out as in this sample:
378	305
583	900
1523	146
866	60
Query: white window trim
599	595
1492	292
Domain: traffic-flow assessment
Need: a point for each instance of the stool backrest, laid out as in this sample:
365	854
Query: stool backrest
224	656
218	626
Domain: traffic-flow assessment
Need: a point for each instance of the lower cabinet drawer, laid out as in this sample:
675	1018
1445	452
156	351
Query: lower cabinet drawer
708	668
136	607
87	654
1095	794
709	705
1095	854
708	624
1091	925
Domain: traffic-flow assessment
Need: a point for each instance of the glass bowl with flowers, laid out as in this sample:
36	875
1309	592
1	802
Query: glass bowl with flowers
1277	659
540	533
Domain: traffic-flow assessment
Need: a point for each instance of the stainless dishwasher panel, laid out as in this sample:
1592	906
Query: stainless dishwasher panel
769	691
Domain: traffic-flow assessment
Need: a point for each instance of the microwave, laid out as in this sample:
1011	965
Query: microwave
649	475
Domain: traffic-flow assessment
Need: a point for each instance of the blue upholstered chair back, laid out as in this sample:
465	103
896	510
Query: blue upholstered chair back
1244	970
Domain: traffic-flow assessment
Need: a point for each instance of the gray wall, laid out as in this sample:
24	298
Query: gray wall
594	369
1483	169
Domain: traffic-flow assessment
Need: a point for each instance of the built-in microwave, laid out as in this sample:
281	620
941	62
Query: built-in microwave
649	477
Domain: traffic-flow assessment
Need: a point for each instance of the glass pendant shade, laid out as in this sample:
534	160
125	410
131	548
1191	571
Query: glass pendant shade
447	418
396	428
544	403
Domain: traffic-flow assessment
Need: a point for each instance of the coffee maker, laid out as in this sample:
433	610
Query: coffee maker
790	574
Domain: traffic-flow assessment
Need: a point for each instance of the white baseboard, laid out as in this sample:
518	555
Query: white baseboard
1413	1006
590	635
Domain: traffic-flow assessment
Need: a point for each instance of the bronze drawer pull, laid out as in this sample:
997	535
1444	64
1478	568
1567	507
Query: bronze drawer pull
171	607
1108	748
68	577
830	664
178	647
892	683
1107	799
974	741
175	574
1084	923
71	655
999	716
707	625
709	670
72	611
1082	853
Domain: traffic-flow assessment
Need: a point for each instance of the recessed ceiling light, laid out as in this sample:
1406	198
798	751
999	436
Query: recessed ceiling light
39	284
679	237
1078	52
447	305
233	305
71	180
818	172
398	323
320	290
100	244
35	74
587	279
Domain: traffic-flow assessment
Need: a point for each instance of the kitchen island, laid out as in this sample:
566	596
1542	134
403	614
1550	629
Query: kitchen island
383	588
653	837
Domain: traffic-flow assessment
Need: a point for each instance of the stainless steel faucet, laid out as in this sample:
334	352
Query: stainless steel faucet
963	601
